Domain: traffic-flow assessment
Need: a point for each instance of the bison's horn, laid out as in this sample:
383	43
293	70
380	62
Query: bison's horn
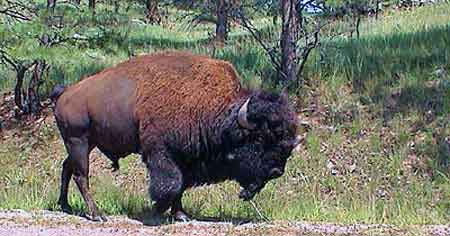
293	143
242	116
298	140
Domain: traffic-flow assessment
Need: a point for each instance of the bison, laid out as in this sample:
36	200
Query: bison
189	118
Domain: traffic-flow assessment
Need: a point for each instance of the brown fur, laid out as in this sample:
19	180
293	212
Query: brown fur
182	90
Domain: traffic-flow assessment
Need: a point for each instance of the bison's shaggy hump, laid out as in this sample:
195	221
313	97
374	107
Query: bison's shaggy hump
177	90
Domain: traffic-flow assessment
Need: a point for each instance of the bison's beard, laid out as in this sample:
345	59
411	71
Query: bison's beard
250	192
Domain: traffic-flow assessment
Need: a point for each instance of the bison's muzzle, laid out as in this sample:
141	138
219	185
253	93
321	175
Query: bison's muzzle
249	193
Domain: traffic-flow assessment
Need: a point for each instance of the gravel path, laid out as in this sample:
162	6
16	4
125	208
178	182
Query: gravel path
49	223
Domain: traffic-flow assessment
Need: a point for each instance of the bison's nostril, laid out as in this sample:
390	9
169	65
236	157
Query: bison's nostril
275	172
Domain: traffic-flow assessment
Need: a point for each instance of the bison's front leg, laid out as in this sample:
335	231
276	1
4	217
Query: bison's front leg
166	182
177	210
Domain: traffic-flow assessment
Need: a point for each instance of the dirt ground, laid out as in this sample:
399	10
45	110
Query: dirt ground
18	222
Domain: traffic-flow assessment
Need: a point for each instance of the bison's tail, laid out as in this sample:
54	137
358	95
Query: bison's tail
57	91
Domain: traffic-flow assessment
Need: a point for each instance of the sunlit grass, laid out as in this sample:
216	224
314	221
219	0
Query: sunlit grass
383	125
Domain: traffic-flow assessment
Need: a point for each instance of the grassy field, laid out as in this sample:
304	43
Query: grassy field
377	149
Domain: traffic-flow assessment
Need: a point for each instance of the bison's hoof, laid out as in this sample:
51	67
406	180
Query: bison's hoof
96	218
101	218
181	216
66	208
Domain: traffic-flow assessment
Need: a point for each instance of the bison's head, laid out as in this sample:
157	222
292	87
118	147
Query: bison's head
263	138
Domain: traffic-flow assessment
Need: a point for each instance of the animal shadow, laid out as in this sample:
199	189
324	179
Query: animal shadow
148	218
226	219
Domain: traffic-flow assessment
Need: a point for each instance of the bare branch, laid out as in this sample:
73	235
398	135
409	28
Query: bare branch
256	34
309	47
18	10
5	59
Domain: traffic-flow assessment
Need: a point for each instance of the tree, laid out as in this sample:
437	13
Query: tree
33	37
17	12
222	20
92	5
353	11
152	14
51	4
288	39
218	12
116	6
27	101
37	40
299	36
20	67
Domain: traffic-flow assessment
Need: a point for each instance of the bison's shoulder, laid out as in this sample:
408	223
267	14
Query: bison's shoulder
179	90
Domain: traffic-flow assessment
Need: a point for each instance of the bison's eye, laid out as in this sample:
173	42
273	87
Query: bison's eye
260	139
279	132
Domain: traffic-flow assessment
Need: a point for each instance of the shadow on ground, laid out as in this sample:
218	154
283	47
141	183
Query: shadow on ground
149	218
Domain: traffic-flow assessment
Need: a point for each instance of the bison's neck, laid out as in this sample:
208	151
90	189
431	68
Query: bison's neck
203	155
201	172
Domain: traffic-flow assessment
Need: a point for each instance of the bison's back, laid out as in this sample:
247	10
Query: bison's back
152	95
179	90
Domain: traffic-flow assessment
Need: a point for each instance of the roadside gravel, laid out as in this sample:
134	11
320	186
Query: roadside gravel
18	222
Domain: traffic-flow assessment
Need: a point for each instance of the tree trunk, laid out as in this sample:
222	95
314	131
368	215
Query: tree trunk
358	23
288	40
222	21
275	19
51	4
92	5
152	15
18	88
116	6
377	2
33	100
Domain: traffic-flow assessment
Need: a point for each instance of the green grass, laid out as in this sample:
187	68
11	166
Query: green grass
377	151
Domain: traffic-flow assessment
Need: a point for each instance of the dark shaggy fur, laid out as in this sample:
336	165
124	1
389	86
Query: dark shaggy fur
183	112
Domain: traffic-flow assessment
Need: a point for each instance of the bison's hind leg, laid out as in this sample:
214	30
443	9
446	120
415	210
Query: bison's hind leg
66	175
78	162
